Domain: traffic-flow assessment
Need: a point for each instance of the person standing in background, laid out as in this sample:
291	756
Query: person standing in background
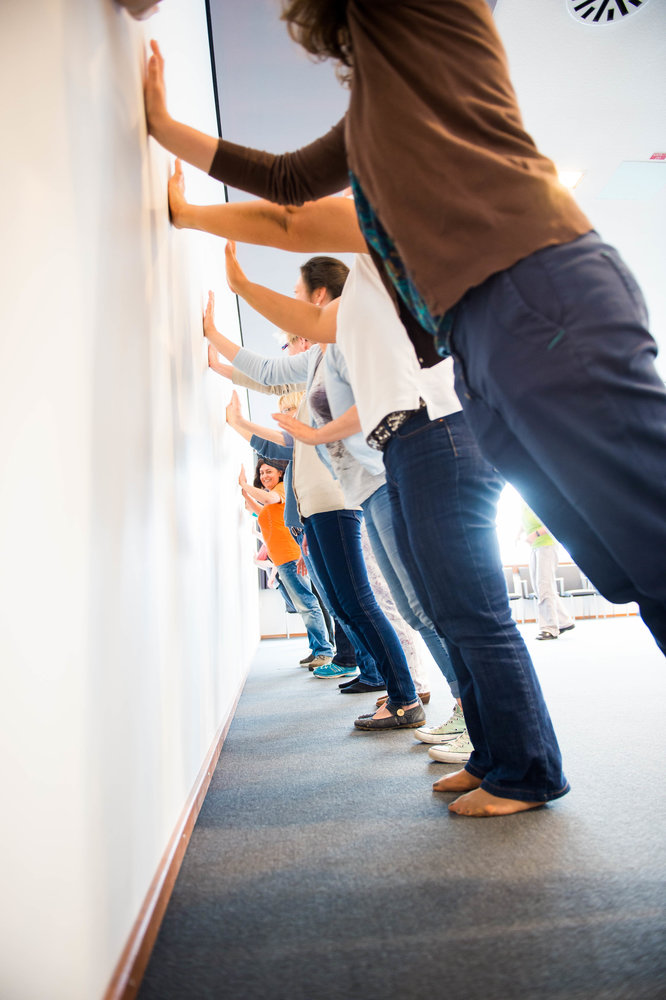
552	616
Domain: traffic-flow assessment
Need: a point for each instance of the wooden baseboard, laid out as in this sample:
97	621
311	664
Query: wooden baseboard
283	635
132	964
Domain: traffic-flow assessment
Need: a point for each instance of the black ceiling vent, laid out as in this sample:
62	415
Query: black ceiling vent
604	11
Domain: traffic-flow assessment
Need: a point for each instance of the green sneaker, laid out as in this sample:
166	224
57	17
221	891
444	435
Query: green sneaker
448	731
332	670
457	752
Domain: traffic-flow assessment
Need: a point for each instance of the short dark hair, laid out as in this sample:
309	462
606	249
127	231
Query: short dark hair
324	272
321	27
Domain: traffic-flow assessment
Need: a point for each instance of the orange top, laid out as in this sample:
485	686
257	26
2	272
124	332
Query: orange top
279	540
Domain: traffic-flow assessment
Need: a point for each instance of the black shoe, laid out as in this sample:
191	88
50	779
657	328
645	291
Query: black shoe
358	687
346	684
567	628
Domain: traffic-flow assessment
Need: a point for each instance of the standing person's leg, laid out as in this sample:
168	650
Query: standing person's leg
550	610
445	499
407	637
318	591
345	654
554	354
369	674
379	522
544	496
306	604
335	536
326	615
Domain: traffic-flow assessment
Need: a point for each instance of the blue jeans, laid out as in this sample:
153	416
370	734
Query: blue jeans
300	594
334	542
317	589
444	497
345	654
555	371
379	522
353	652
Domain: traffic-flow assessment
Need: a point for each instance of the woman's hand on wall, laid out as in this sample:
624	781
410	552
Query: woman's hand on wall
236	278
209	328
226	371
154	93
178	203
233	410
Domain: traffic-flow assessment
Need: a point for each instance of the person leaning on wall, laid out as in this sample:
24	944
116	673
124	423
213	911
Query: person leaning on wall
496	261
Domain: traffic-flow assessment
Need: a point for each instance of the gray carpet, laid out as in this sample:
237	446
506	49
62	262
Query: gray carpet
322	867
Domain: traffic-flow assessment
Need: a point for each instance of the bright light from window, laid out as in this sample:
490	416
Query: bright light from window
569	177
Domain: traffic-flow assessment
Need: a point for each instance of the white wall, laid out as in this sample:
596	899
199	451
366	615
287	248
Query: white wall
128	604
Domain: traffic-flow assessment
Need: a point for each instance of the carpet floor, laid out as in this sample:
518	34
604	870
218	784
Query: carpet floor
323	867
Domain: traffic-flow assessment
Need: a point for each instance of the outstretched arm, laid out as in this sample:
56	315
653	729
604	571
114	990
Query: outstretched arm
246	428
290	179
237	377
328	224
181	140
335	430
227	348
251	504
304	319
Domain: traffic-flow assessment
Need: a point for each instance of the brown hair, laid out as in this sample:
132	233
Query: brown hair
320	26
324	272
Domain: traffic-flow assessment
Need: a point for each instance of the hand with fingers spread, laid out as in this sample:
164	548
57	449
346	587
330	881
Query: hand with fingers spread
298	430
154	92
301	568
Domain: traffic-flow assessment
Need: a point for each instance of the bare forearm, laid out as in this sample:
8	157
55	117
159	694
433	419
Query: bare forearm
335	430
257	222
256	507
184	142
327	225
340	428
303	319
246	428
222	344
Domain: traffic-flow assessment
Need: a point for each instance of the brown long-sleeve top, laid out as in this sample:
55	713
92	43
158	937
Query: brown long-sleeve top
435	138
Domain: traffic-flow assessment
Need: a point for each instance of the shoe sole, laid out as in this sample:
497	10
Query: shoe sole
436	740
452	759
383	729
327	677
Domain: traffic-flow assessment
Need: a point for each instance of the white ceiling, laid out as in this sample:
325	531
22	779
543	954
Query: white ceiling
592	95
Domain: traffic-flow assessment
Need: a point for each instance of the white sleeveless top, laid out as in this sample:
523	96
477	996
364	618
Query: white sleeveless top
384	371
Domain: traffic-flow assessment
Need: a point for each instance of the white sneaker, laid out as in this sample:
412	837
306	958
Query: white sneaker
446	732
457	752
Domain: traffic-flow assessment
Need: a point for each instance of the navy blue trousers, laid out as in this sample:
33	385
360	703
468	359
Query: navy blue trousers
555	371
